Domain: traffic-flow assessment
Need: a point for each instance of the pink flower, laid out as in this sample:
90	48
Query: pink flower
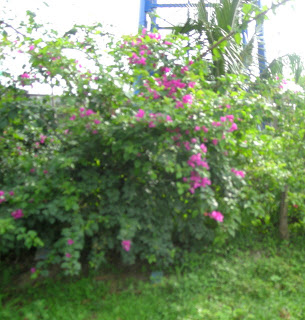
215	142
94	132
42	138
183	69
197	128
82	109
32	170
151	124
1	193
45	171
203	148
169	119
191	84
66	131
126	245
228	106
33	270
32	47
187	145
191	62
25	75
17	214
140	114
70	242
2	199
96	121
216	215
193	140
68	255
233	127
179	104
73	117
222	119
230	117
205	129
187	99
216	124
295	205
238	173
168	43
11	193
89	112
48	73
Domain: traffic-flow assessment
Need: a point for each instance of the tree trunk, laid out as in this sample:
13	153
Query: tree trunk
283	227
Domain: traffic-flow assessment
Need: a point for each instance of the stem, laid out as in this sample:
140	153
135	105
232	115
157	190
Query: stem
283	226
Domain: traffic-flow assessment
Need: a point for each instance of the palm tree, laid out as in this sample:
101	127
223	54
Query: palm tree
217	20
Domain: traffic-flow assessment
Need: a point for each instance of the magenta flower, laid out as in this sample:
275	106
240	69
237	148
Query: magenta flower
66	131
151	124
187	99
193	140
216	215
48	73
233	127
68	255
73	117
89	112
32	170
238	172
222	119
215	142
96	121
179	104
17	214
11	193
203	148
140	114
191	84
25	75
81	109
42	138
70	242
169	119
94	132
197	128
1	193
33	270
126	245
45	171
32	47
167	43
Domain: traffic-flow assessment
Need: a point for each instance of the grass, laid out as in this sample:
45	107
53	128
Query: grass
263	283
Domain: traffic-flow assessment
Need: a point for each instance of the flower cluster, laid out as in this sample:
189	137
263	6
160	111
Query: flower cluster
238	172
216	215
17	214
126	245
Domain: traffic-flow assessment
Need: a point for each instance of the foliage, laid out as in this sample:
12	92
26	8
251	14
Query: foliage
142	159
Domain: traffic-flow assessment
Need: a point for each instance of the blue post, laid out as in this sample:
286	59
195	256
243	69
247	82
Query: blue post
261	45
142	19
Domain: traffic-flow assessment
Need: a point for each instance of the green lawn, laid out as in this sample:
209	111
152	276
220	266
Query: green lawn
256	284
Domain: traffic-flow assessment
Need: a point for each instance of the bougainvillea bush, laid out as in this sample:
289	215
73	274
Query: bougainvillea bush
140	159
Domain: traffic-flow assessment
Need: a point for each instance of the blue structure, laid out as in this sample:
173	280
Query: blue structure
149	6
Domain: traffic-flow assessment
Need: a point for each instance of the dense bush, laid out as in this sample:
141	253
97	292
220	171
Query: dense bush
141	158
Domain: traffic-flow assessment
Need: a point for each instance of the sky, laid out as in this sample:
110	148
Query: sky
283	31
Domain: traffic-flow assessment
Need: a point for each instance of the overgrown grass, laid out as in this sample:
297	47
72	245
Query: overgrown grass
267	282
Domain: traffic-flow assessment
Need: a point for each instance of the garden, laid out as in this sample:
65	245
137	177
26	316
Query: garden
165	181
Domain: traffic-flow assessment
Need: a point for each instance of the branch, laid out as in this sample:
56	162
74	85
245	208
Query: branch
9	26
231	33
